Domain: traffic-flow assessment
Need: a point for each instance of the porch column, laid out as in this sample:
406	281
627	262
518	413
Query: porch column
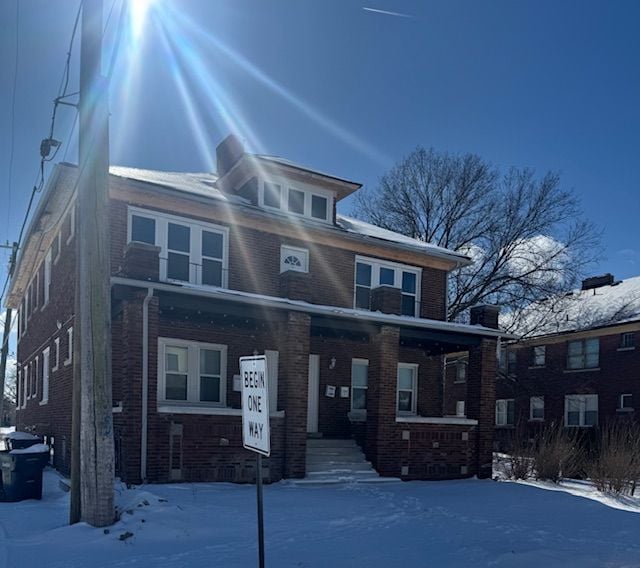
381	400
294	374
481	396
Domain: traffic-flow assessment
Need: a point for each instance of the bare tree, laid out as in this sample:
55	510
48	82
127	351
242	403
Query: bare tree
525	233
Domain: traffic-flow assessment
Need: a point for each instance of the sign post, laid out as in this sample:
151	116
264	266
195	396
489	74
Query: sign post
255	425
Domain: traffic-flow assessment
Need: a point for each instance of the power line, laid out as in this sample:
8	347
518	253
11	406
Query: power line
13	113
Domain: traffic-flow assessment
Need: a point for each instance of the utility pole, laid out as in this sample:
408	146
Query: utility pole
92	467
4	351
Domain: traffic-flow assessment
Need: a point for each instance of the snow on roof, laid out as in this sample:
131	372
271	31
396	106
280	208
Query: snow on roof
289	163
580	310
359	227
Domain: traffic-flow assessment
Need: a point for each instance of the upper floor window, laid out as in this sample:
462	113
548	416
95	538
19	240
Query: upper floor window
190	251
625	402
505	412
508	361
407	388
627	340
298	200
294	258
539	355
47	277
371	273
581	410
583	354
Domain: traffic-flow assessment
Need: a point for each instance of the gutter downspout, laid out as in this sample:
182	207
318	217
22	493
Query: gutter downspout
145	383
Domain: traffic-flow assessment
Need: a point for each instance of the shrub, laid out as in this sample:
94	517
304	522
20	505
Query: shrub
557	453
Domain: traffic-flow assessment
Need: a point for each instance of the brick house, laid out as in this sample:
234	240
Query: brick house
208	268
579	366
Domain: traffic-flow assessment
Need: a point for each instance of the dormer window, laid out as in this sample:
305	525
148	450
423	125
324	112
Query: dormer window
297	199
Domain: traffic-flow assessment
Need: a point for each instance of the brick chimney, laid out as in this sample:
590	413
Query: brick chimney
597	281
485	315
228	152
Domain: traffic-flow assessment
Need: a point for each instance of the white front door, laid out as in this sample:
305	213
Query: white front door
313	393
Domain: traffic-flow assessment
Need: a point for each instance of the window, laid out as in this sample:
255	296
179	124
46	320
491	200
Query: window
583	354
581	410
35	287
190	251
460	408
72	223
370	273
508	361
461	371
296	201
536	408
45	376
192	373
539	355
272	195
25	384
627	340
505	412
293	258
625	402
56	354
359	383
69	358
55	248
143	229
47	277
406	392
36	377
319	207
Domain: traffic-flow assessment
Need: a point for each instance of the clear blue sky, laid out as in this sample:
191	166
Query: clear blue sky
545	84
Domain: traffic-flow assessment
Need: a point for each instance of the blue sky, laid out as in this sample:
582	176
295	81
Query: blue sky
548	85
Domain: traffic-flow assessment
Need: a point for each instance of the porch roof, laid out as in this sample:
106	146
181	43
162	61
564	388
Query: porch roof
333	312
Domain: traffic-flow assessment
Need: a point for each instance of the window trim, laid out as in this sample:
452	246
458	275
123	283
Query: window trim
531	409
56	343
193	374
534	362
294	251
414	390
582	411
364	362
621	406
46	292
505	402
46	375
196	227
623	346
69	357
459	365
72	223
583	342
58	238
308	191
461	411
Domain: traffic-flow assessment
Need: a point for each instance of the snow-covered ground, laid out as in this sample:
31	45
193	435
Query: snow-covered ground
450	523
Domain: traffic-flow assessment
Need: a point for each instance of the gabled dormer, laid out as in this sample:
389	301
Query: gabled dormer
278	185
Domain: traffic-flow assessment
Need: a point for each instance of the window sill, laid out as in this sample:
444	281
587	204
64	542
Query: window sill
579	426
536	419
459	382
625	410
589	370
505	426
625	349
67	362
537	367
447	420
54	369
208	410
43	402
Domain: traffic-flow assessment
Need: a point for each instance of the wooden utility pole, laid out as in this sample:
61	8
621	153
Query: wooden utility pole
4	350
93	468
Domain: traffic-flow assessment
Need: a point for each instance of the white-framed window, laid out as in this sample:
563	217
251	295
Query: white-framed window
294	258
56	247
36	290
539	356
36	377
625	402
192	373
536	408
461	371
25	384
56	354
505	412
45	376
581	410
19	326
583	353
627	340
508	361
460	408
47	278
407	388
296	199
359	384
371	273
69	357
72	223
190	251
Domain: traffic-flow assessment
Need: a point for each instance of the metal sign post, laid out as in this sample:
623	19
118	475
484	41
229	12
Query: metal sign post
256	435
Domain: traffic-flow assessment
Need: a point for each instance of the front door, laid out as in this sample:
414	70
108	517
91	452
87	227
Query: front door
313	394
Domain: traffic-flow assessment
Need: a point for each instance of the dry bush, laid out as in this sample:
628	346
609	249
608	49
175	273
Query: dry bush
557	454
519	465
614	466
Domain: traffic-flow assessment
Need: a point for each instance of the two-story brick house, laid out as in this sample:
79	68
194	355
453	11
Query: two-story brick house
579	364
207	268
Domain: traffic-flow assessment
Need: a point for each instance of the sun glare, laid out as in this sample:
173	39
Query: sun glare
138	13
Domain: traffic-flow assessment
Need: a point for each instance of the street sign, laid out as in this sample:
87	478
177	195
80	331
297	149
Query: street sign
255	404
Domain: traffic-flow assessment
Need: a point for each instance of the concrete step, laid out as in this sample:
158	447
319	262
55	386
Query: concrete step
331	443
333	472
340	480
334	466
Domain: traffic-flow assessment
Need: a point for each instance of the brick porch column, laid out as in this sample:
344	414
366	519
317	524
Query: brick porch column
381	400
481	397
294	376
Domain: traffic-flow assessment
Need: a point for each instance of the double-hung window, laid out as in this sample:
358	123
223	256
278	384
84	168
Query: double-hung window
539	355
505	412
407	388
536	408
583	354
371	273
359	384
190	251
192	373
47	277
461	371
45	376
581	410
299	199
627	340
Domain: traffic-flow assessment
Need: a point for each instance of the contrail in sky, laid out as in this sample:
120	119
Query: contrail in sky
388	13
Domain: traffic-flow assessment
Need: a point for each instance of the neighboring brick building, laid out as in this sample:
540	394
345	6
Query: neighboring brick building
206	269
579	364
